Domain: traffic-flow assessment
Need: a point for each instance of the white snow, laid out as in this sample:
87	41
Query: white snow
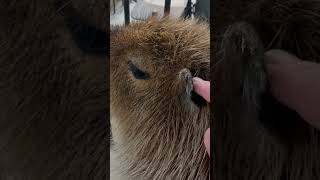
144	9
174	3
118	17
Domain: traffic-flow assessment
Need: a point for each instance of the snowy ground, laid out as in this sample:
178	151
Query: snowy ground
118	17
144	9
174	3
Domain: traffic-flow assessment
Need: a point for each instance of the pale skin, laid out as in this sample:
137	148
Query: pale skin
294	82
203	89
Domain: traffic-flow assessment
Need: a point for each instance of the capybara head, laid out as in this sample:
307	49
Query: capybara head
155	113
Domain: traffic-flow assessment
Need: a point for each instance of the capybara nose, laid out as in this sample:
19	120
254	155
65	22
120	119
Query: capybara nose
186	88
185	78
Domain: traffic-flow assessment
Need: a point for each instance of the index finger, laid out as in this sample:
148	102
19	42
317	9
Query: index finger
202	88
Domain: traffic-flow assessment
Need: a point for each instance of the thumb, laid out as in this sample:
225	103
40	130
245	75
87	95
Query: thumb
295	83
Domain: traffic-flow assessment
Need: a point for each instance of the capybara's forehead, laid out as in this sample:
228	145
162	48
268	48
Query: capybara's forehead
165	40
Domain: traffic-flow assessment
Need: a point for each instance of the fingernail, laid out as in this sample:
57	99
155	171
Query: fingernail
197	80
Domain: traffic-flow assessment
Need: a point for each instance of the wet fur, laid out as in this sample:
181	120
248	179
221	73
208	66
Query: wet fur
54	121
256	136
157	129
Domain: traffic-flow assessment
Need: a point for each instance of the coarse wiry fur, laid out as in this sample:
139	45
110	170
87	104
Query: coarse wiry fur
157	129
257	137
53	118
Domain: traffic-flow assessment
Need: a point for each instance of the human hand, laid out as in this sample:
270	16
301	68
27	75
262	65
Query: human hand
202	88
295	83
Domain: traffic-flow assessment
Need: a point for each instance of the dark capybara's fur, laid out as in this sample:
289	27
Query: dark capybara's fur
255	137
53	90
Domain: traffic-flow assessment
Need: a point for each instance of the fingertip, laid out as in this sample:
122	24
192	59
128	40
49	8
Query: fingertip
202	88
197	80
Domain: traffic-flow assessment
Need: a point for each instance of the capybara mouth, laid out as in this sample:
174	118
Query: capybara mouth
197	99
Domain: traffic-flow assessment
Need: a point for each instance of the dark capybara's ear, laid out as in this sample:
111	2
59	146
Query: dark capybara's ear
88	36
94	12
90	39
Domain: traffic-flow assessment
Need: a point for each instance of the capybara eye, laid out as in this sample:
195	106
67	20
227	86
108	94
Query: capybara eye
137	73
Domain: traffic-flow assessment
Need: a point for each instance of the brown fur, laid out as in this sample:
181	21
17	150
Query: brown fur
157	128
53	97
257	137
